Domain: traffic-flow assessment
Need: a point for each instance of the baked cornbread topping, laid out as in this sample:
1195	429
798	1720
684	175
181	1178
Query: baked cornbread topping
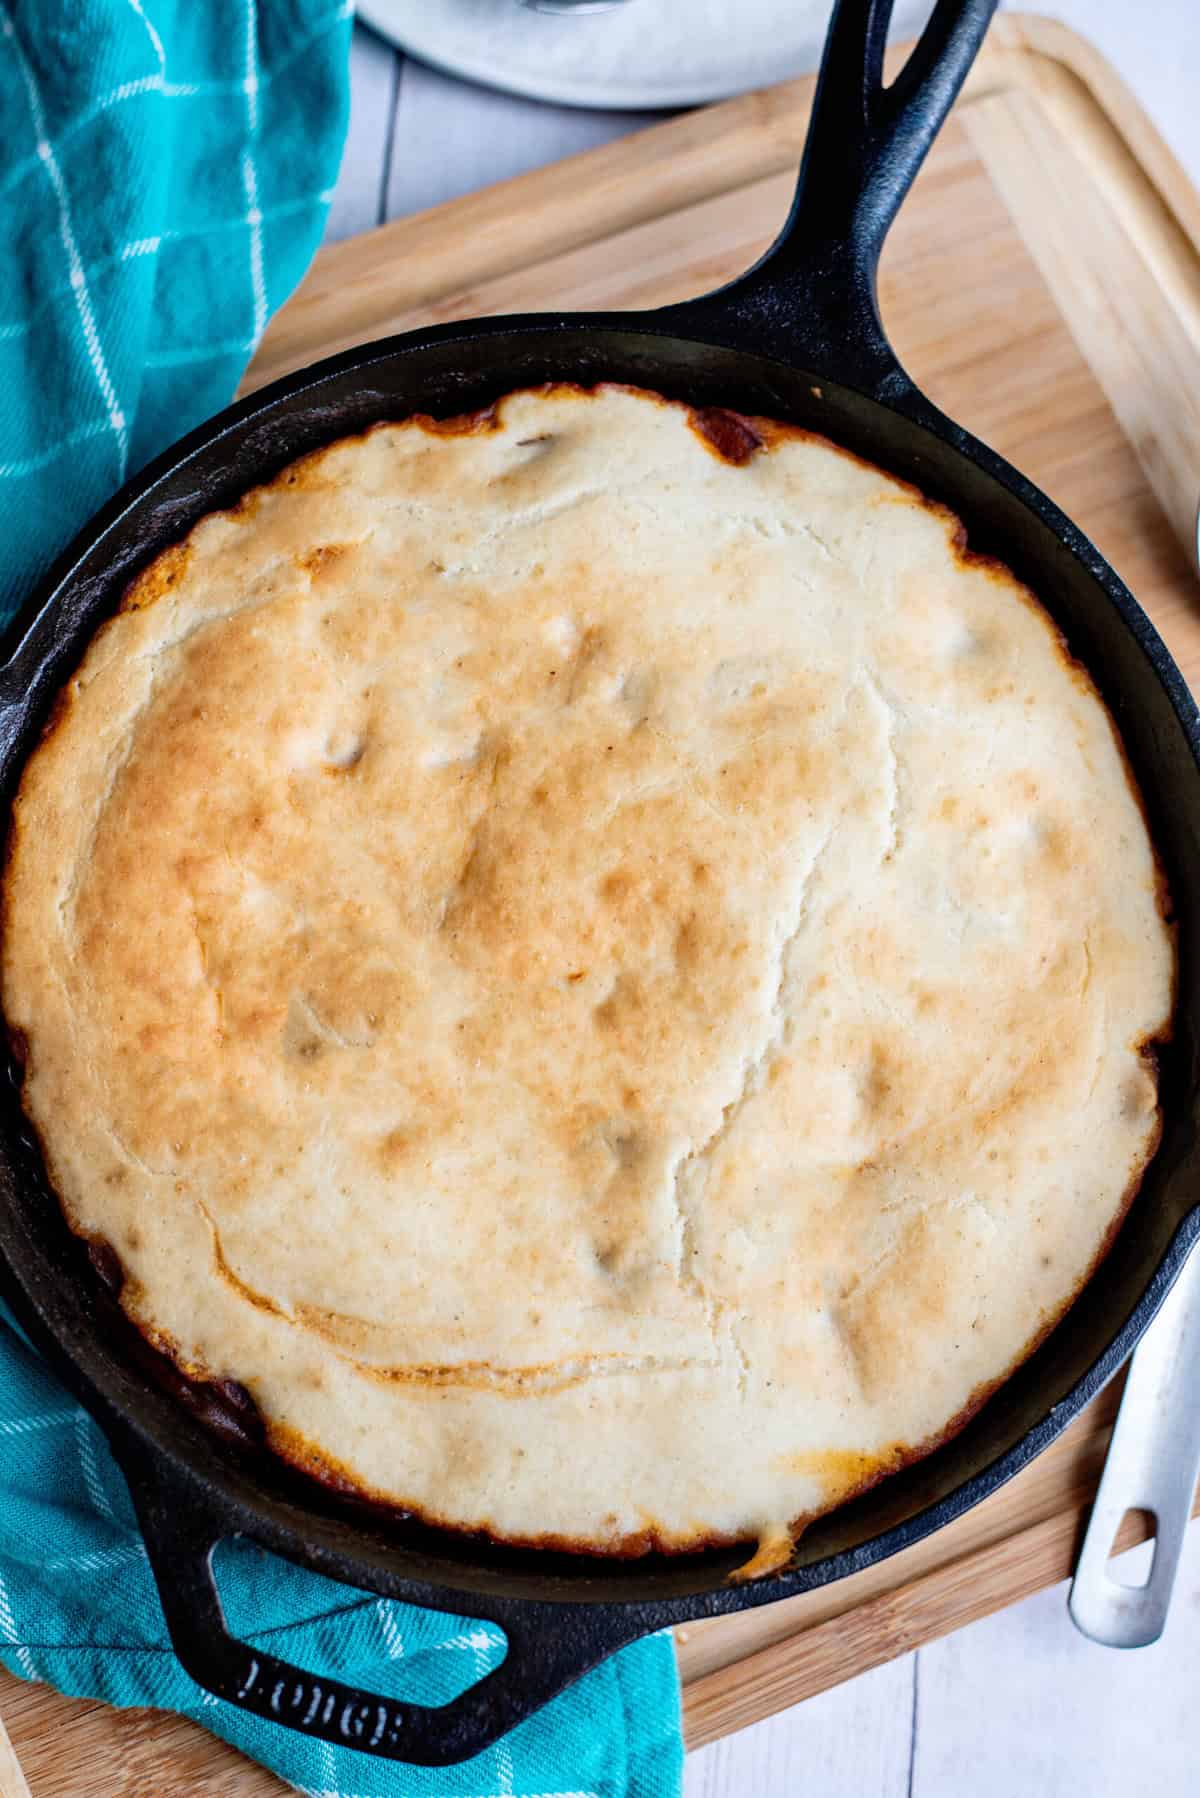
596	961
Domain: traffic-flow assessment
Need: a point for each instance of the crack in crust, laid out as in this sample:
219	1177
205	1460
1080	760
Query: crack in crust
532	1380
888	707
684	1173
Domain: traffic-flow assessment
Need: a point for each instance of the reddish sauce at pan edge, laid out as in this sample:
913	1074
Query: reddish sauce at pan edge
728	434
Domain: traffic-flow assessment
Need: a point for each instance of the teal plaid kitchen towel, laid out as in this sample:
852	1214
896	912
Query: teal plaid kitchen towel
165	168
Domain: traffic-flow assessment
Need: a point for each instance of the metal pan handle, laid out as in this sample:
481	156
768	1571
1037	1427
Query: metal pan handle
1152	1465
812	297
549	1645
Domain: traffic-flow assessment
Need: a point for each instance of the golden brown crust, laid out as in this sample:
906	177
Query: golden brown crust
158	579
593	958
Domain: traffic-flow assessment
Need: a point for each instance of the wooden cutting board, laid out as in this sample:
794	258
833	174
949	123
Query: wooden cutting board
1043	283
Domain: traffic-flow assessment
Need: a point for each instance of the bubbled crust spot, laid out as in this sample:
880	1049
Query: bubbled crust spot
501	922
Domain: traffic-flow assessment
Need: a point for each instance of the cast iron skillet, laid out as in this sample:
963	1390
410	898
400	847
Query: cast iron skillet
799	338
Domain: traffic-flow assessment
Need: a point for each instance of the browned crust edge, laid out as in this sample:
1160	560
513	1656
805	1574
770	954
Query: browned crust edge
736	438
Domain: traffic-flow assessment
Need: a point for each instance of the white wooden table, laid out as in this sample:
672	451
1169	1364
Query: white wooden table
1017	1706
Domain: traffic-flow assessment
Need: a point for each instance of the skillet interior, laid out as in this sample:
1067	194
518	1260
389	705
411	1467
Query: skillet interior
456	370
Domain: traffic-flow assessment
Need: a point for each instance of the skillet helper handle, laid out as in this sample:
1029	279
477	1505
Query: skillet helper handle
1152	1465
549	1645
812	296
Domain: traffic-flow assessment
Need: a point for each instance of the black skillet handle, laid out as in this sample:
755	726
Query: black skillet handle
549	1645
812	297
